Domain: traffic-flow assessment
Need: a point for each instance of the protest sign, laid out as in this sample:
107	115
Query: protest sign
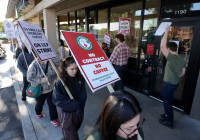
107	39
9	30
91	60
150	49
124	26
37	40
161	28
17	36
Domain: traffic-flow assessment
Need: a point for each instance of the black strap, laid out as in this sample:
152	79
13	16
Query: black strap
46	69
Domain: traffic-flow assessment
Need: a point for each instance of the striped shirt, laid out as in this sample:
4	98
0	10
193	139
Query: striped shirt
120	54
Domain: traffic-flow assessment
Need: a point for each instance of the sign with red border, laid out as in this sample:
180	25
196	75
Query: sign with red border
107	39
91	60
150	48
124	26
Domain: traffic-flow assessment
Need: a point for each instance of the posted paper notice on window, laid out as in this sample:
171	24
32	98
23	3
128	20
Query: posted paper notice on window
162	27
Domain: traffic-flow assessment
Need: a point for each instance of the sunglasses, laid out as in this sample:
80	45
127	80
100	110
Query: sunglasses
138	127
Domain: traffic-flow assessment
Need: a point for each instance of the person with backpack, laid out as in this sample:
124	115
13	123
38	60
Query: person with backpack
35	77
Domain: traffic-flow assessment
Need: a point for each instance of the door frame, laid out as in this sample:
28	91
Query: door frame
194	62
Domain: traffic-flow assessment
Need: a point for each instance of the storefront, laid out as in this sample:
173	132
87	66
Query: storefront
145	69
146	65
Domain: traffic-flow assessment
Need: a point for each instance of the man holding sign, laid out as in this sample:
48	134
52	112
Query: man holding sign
119	59
174	70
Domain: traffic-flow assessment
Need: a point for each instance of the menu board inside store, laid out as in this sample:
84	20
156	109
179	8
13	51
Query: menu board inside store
181	10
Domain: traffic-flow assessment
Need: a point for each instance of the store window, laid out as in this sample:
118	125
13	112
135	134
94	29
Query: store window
132	11
98	24
148	43
81	21
63	22
72	23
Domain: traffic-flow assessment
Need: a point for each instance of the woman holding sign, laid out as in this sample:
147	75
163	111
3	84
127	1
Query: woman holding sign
35	77
72	110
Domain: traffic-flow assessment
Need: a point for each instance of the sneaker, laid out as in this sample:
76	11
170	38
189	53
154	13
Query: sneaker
55	123
163	116
166	123
23	98
39	116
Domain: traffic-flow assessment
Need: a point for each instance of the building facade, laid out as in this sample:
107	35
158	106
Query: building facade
146	65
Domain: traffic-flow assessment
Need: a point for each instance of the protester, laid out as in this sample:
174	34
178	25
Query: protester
105	48
61	50
72	110
17	52
119	119
24	60
119	59
174	69
35	77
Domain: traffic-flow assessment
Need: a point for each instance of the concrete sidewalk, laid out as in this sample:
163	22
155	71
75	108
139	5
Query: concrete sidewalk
41	129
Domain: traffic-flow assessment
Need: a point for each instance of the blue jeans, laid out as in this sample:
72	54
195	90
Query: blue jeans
167	96
119	85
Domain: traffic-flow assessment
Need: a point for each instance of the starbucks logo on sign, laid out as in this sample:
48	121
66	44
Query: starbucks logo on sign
84	43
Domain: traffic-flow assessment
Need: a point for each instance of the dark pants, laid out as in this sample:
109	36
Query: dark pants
52	108
119	85
25	82
70	124
167	96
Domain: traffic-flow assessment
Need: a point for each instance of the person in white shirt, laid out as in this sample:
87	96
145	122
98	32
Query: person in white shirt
61	50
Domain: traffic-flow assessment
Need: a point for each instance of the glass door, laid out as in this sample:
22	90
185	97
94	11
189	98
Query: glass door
182	36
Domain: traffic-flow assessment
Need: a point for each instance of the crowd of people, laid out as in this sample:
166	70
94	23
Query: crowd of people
120	115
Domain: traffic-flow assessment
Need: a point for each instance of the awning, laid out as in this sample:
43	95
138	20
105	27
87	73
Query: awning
11	8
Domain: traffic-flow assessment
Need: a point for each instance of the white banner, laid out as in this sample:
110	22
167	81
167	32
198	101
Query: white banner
38	40
17	36
9	30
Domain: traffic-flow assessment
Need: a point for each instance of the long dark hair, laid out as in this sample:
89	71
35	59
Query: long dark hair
63	73
117	109
61	42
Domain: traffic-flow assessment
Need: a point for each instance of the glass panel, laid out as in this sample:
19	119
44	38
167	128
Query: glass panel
72	21
63	21
81	21
149	28
183	35
98	24
132	11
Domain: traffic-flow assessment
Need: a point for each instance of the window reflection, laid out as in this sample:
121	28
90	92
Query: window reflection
148	41
98	24
72	21
80	21
132	11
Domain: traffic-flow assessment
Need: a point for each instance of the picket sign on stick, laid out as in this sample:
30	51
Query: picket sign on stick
110	88
66	88
91	60
37	40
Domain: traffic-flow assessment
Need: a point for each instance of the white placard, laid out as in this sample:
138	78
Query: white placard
161	28
9	30
17	36
99	77
38	41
